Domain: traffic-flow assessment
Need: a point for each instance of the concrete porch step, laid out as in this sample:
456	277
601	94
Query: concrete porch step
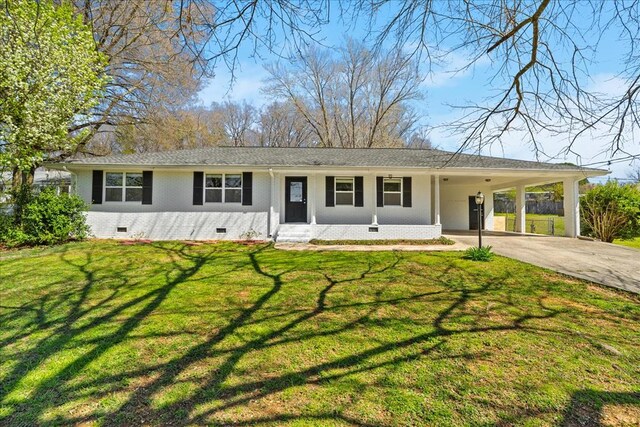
293	233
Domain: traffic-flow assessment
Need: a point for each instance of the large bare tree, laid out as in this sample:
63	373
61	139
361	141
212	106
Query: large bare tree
542	52
162	130
239	120
282	125
155	58
354	98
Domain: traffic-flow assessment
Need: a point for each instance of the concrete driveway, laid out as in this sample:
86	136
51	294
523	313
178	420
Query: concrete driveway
604	263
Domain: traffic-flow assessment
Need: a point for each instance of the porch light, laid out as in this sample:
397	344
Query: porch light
479	202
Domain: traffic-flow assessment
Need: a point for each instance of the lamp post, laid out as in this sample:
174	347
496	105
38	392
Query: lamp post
479	202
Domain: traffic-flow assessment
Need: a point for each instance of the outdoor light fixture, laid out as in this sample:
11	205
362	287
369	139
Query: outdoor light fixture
479	202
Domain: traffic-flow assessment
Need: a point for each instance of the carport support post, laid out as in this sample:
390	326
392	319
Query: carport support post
521	209
571	204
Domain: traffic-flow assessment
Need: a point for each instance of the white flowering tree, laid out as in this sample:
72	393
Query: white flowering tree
51	75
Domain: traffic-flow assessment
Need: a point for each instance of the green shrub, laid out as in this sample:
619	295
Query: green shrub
6	224
46	219
479	254
611	211
10	234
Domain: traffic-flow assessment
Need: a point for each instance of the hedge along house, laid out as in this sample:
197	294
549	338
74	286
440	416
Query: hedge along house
297	194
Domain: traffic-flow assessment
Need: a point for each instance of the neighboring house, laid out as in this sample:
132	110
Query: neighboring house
60	180
295	194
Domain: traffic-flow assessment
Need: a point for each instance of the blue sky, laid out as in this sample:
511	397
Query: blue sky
441	88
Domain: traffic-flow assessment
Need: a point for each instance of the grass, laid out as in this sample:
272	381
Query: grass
540	221
632	243
439	241
230	334
483	253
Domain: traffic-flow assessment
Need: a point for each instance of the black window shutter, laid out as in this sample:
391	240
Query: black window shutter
359	191
247	188
147	187
329	189
96	189
198	186
406	192
379	191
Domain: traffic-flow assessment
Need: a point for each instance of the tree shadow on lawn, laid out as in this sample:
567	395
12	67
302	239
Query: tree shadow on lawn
82	318
215	395
588	407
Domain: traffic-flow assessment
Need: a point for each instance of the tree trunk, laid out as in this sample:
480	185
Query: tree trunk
16	180
28	177
21	188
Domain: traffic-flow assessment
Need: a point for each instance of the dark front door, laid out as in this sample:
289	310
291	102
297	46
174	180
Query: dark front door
473	213
295	209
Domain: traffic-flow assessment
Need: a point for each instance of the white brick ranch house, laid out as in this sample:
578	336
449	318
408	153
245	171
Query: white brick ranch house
304	193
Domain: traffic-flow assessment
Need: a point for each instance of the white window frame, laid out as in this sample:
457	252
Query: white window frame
384	192
224	187
336	191
123	187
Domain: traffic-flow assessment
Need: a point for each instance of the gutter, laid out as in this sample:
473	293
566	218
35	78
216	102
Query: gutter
587	172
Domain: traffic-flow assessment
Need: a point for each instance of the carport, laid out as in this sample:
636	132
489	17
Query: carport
454	192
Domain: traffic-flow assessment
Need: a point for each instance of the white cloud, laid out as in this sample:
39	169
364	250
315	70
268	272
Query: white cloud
607	84
247	86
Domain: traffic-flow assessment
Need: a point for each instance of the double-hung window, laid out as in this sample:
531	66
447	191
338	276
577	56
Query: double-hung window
344	191
392	191
123	186
223	188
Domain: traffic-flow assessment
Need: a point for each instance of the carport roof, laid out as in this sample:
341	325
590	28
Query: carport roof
323	157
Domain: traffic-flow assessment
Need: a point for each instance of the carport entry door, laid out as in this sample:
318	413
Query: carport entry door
473	213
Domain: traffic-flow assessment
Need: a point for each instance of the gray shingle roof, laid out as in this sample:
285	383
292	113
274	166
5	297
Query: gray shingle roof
327	157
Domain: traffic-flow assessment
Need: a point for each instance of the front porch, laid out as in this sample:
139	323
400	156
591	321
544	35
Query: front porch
354	205
305	206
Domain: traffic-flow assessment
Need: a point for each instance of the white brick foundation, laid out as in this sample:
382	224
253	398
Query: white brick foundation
178	225
365	232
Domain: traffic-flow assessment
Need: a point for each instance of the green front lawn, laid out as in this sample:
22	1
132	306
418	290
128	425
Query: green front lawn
100	332
632	243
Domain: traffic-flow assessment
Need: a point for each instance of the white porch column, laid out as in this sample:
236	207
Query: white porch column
521	209
436	200
571	204
374	202
312	199
273	220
